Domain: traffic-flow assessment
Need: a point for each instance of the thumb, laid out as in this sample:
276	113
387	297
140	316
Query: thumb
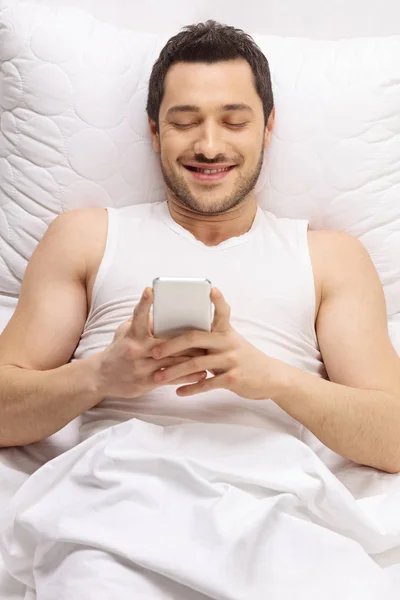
222	313
139	328
151	325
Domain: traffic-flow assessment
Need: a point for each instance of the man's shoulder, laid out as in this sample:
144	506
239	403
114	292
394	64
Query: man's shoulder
79	218
79	235
87	227
334	246
337	258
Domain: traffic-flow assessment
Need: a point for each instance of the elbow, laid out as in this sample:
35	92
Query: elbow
386	465
6	441
390	466
393	469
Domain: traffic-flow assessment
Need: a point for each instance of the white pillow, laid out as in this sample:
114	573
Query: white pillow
74	132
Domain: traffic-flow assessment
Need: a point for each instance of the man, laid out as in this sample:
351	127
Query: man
360	411
289	302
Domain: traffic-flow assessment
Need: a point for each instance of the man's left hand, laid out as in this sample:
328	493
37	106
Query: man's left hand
235	363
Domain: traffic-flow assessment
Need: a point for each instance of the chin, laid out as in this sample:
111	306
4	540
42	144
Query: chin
213	206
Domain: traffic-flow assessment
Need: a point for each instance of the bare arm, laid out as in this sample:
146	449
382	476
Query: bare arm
357	412
39	392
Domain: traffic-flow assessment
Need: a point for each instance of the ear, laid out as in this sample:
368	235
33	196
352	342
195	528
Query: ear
154	134
269	128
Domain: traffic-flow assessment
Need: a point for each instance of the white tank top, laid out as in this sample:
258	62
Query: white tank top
266	277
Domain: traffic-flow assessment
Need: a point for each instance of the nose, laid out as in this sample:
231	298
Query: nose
210	140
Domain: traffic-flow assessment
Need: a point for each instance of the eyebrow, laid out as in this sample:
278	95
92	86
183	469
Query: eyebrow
183	108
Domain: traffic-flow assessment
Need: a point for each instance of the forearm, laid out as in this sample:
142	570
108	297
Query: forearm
36	404
362	425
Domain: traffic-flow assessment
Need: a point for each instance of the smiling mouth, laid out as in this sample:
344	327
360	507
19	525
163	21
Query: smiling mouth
208	173
208	170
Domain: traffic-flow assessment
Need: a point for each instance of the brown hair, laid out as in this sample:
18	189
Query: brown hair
209	42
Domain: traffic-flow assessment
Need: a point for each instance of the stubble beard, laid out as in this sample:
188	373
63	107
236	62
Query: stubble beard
243	186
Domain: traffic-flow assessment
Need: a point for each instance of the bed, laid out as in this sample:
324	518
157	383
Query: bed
347	179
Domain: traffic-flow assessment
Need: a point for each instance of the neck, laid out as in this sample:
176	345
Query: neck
214	229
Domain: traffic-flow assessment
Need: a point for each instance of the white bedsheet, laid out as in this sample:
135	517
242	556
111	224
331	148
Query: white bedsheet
204	511
16	465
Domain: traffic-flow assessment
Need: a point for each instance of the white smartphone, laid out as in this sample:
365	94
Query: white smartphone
181	304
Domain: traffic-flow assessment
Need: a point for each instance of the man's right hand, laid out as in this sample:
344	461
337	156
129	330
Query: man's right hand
126	367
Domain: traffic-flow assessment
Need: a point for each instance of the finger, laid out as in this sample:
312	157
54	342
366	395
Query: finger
151	325
187	341
212	383
140	323
122	329
192	378
203	363
192	352
187	353
152	366
222	313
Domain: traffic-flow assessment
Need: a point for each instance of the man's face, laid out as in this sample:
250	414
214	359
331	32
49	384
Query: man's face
211	115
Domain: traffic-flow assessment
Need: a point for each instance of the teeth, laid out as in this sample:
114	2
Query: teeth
211	171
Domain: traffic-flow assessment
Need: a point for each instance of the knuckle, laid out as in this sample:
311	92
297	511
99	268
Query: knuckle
231	377
132	351
231	358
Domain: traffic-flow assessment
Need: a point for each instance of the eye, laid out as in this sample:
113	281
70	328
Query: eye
236	124
183	125
187	125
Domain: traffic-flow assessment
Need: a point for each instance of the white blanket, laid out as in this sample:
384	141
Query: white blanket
197	511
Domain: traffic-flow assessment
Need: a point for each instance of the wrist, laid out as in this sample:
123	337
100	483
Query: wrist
281	380
296	389
92	375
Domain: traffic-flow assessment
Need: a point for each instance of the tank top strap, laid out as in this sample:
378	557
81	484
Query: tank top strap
108	255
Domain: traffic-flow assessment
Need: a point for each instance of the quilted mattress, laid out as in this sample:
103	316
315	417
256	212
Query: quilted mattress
74	132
